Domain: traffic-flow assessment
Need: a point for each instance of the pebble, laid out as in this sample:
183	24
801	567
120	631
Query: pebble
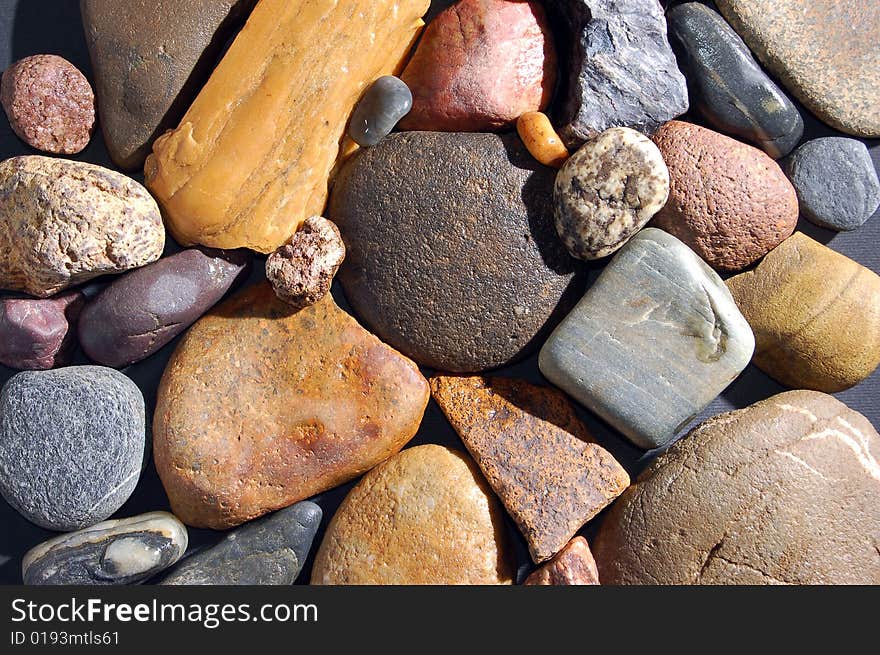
622	71
655	339
271	551
824	52
815	313
71	444
541	139
728	201
573	565
480	65
379	111
145	309
302	271
49	103
782	492
535	453
65	222
147	77
607	191
429	244
38	334
836	183
728	86
425	516
262	406
119	552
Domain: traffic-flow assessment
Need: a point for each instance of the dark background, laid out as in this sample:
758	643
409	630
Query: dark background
30	27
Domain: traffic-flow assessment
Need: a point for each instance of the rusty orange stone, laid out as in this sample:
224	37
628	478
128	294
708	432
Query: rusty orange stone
541	139
262	406
573	565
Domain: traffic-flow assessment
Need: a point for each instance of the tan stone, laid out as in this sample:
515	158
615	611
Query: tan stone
815	314
573	565
251	158
261	407
425	516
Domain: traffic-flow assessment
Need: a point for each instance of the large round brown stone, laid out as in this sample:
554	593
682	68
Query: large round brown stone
786	491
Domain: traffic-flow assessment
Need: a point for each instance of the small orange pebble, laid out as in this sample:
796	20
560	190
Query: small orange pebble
541	139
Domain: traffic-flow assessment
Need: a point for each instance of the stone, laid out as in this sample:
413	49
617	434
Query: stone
144	310
782	492
379	110
149	60
728	86
38	334
479	66
728	201
453	257
540	138
835	181
425	516
119	552
573	565
302	271
825	52
535	453
262	406
71	444
252	157
607	191
655	339
65	222
49	103
271	551
815	313
621	69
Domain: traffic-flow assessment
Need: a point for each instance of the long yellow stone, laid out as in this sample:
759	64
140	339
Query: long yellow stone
252	157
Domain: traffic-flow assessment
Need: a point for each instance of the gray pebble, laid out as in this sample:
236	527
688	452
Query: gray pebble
380	109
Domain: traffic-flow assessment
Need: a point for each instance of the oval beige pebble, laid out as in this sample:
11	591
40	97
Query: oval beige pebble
65	222
425	516
607	191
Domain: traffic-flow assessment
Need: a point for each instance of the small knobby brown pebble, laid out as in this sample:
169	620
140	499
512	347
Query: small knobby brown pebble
49	103
541	139
573	565
302	271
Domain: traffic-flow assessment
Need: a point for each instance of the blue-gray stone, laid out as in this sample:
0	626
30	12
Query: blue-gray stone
836	183
654	340
727	84
71	444
270	551
380	109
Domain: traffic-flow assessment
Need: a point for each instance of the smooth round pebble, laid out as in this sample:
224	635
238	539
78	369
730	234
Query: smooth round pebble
541	139
380	109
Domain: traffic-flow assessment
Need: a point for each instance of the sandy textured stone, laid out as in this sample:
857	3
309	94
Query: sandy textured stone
573	565
785	491
607	191
652	342
425	516
65	222
815	313
261	407
535	453
824	51
252	157
38	334
730	202
149	59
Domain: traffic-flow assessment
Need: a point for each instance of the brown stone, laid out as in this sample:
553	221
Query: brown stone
425	516
261	407
728	201
536	454
782	492
815	314
573	565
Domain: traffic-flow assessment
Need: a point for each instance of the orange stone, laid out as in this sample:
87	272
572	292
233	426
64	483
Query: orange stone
573	565
261	407
541	139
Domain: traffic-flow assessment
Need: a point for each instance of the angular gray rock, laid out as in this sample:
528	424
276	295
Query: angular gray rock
124	551
728	86
270	551
71	444
622	71
654	340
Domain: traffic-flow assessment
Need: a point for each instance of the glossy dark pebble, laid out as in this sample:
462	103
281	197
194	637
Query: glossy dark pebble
382	106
